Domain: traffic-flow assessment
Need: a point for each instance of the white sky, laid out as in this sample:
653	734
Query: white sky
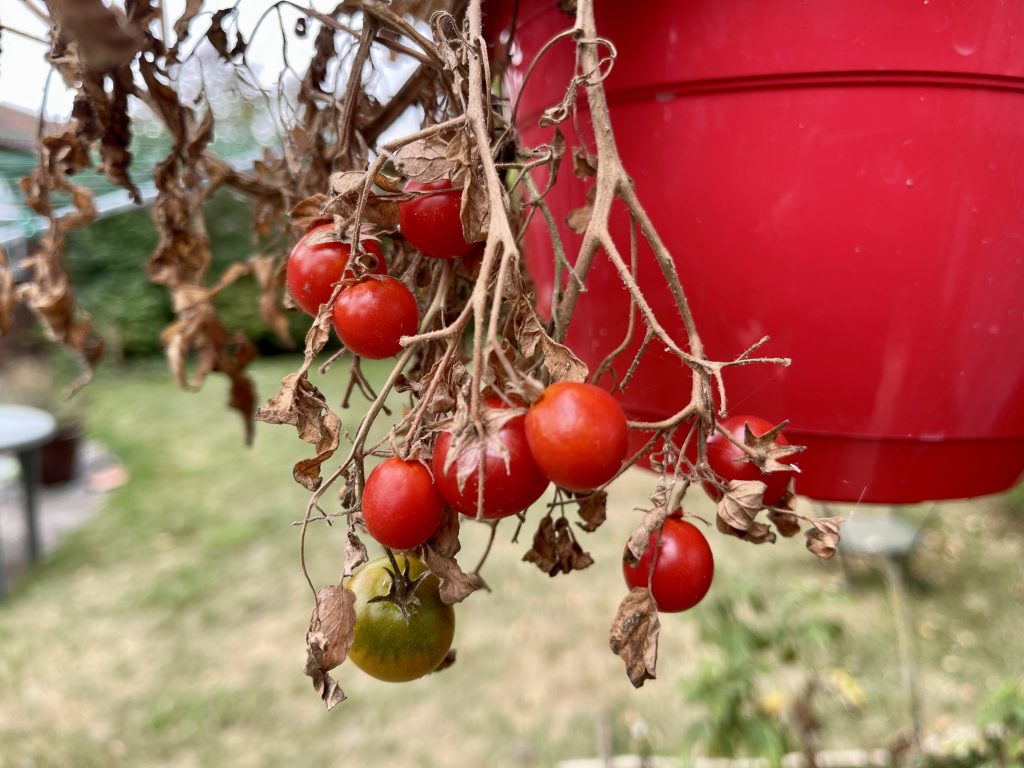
23	67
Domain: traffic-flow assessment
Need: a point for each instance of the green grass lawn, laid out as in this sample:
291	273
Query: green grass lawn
170	630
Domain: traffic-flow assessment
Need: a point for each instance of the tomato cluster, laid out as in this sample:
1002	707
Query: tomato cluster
574	435
373	311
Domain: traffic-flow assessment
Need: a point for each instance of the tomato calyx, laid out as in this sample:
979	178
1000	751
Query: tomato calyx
762	450
402	590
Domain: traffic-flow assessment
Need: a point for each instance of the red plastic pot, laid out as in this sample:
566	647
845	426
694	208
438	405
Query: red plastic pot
847	177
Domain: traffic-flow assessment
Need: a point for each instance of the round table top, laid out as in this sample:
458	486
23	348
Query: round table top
23	428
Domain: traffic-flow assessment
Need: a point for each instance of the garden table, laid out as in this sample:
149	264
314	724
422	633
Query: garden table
22	431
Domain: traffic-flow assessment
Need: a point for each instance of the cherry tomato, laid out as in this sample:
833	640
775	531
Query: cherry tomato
683	569
433	223
373	315
508	488
314	269
577	434
386	645
401	506
727	460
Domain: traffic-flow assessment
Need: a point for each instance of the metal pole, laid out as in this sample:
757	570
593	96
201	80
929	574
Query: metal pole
30	482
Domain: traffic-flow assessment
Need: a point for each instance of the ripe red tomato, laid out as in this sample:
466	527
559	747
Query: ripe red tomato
508	488
683	569
727	460
577	434
433	223
386	645
401	506
314	269
373	315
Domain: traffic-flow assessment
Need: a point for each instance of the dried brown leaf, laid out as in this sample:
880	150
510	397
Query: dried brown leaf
738	508
446	662
786	523
308	211
302	405
584	164
823	538
270	273
328	640
104	37
593	508
445	541
640	538
634	635
456	585
355	554
476	205
555	550
426	160
561	362
7	296
579	218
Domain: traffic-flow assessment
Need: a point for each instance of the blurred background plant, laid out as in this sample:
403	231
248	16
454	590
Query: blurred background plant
773	660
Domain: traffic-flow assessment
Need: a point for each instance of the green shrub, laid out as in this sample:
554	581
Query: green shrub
107	263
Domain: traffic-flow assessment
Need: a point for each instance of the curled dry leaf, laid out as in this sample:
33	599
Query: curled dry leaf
302	405
347	188
456	584
328	640
823	537
579	218
426	160
555	550
7	298
634	635
355	554
653	519
531	337
446	662
476	205
105	38
782	517
738	508
270	273
308	210
445	541
593	509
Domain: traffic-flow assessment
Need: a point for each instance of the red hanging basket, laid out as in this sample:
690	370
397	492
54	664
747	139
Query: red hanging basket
847	177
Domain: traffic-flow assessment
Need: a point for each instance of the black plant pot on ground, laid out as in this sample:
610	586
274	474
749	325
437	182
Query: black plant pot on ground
58	458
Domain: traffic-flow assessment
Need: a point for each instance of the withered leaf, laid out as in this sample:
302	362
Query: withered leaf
782	517
105	38
561	362
584	164
446	662
640	538
738	508
355	554
785	523
445	541
579	218
302	405
476	205
329	639
425	160
634	635
456	585
7	297
192	8
593	509
308	210
555	550
270	272
823	538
